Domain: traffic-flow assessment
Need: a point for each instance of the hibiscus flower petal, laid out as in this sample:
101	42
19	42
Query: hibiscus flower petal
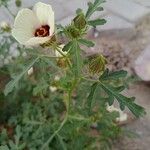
37	40
25	24
45	14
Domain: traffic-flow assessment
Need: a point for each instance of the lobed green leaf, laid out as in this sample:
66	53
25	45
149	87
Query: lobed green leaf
91	95
96	22
86	42
9	87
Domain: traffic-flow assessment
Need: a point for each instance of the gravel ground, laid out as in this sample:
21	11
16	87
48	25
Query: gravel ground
121	53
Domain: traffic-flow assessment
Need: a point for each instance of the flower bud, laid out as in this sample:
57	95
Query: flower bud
18	3
53	89
62	62
30	71
80	21
97	65
73	32
57	78
5	26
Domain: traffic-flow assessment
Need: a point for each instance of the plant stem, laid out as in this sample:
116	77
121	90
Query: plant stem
79	118
66	116
61	125
55	133
69	63
49	56
91	80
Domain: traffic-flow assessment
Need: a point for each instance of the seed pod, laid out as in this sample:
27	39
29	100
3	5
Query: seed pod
73	32
62	62
18	3
97	65
5	26
80	21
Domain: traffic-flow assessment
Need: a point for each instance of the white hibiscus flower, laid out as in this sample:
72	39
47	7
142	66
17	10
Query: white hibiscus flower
34	27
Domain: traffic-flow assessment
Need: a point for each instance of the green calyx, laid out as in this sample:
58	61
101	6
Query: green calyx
97	65
18	3
80	21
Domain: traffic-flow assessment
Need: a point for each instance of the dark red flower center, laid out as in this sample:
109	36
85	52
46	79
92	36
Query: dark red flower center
43	31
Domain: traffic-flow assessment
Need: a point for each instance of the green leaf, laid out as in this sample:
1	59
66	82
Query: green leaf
91	95
62	142
93	7
76	57
4	147
100	9
123	100
113	75
9	87
78	11
67	47
96	22
86	42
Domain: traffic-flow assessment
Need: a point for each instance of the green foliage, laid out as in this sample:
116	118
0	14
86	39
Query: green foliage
97	22
61	106
91	95
114	92
86	42
94	7
16	78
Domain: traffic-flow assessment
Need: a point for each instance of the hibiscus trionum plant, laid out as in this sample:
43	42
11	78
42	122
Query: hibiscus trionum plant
57	98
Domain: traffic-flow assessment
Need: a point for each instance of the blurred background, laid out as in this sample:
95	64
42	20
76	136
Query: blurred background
124	40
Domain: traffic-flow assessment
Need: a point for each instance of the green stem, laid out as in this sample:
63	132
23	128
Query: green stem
69	63
49	56
79	118
61	125
91	80
56	132
66	116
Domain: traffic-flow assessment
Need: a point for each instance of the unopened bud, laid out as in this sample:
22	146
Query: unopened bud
5	26
62	62
97	65
53	89
57	78
18	3
80	21
73	31
30	71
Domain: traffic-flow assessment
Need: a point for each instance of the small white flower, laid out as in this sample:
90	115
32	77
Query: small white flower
34	27
60	49
57	78
30	71
53	88
122	116
4	25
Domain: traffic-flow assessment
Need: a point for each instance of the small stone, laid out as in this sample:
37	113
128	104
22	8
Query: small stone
96	34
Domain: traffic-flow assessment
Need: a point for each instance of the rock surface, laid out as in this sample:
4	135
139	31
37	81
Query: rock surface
142	65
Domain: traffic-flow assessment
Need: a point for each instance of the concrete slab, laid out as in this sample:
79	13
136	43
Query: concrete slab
127	9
